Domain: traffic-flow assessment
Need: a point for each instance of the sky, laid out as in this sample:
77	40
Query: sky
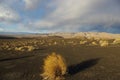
47	16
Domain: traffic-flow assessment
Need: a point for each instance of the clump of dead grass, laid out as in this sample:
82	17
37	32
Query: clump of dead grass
54	67
104	43
25	48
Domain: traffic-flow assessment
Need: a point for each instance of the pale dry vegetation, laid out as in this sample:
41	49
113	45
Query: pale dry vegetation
116	41
94	43
54	67
103	43
83	42
35	44
25	48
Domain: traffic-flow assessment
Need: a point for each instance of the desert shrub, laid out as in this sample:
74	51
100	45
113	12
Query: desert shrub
103	43
83	42
54	67
94	44
30	48
18	48
25	48
116	41
55	43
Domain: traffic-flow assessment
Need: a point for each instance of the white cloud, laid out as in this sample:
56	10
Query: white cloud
31	4
62	15
8	15
1	29
71	15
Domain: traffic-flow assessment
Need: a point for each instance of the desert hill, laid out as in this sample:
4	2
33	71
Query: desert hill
64	35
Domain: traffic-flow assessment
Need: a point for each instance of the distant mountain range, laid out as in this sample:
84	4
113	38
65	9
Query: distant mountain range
14	33
88	35
64	35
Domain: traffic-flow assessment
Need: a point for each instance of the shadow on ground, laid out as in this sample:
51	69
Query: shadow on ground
7	37
14	58
74	69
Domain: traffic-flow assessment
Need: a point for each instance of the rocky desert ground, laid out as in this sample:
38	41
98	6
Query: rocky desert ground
89	56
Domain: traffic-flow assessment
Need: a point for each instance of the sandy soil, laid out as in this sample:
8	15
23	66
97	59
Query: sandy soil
84	63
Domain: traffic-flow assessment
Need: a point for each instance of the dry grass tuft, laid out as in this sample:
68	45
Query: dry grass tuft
104	43
94	44
116	41
54	67
25	48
